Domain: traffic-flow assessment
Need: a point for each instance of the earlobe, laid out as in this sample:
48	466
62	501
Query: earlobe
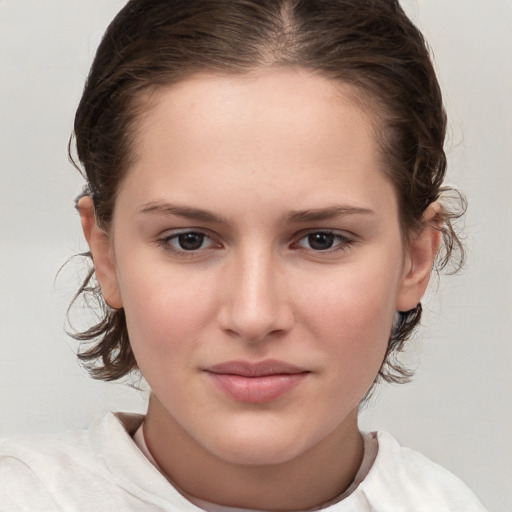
102	253
422	251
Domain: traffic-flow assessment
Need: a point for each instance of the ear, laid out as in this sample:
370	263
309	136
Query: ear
102	253
421	254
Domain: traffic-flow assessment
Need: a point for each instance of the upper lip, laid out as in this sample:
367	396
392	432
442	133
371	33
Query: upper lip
259	369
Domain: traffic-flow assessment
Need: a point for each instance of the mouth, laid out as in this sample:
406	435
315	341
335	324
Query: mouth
260	382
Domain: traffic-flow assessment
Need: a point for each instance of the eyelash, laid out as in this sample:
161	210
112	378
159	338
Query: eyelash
167	243
340	242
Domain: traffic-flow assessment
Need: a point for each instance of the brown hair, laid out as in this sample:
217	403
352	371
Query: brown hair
369	44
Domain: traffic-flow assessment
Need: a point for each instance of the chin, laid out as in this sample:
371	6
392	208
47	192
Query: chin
257	452
270	444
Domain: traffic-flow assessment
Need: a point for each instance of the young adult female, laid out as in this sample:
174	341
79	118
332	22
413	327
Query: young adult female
263	213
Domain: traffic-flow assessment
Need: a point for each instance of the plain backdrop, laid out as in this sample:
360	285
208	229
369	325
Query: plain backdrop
458	409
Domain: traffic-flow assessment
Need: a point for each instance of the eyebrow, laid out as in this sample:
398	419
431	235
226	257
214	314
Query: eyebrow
169	209
331	212
294	217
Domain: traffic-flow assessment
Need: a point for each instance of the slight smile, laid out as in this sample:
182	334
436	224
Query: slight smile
260	382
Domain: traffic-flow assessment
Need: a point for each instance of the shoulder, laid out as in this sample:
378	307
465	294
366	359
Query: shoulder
407	480
50	470
69	450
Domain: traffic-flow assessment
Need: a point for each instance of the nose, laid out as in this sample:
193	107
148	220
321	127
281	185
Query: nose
256	305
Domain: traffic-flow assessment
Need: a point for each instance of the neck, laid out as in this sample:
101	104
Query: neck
308	480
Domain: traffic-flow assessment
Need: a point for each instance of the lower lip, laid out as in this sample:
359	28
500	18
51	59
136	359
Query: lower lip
257	390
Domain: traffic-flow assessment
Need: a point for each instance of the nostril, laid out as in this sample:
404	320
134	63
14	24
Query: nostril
256	326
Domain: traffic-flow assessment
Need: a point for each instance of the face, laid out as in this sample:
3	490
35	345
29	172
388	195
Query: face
256	249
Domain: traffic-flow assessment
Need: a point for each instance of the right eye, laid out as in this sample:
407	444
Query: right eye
188	242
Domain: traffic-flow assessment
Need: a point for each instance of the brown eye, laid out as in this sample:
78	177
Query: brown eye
321	241
190	241
187	241
324	241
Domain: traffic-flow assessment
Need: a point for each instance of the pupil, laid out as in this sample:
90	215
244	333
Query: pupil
191	241
321	241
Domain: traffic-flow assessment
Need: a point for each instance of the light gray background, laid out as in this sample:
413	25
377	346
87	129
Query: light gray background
458	409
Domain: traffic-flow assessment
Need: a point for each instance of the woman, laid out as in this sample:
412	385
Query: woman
263	211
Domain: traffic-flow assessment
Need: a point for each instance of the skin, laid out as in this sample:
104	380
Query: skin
272	157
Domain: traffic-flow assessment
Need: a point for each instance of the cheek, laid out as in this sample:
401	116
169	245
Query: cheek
166	316
351	313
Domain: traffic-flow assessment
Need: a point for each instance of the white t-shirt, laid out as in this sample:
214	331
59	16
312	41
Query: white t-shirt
103	470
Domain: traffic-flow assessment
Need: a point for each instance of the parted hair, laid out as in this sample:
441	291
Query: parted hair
370	45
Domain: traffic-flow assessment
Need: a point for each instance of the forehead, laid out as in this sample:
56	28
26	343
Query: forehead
255	97
288	132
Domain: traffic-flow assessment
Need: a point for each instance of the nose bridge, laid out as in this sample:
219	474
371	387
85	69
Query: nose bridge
257	304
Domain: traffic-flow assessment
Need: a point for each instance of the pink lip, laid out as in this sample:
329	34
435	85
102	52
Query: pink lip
261	382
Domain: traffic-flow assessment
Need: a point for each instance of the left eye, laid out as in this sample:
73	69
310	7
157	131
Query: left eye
322	241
